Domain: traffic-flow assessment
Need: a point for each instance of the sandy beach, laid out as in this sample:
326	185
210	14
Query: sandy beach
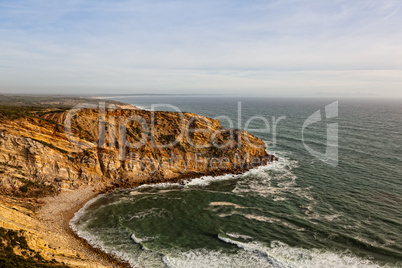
55	216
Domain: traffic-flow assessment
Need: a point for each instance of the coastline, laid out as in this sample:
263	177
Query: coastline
55	216
69	208
45	224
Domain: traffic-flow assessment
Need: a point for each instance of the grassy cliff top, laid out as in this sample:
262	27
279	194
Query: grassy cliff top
16	106
49	101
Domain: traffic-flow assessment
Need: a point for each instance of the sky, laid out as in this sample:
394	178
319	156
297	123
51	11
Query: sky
271	48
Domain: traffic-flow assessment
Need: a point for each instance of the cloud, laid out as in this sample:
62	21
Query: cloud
216	46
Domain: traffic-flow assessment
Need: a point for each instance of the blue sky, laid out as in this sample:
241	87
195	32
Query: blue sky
292	48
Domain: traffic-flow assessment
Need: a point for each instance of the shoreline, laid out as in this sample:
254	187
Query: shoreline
55	216
102	255
68	178
70	215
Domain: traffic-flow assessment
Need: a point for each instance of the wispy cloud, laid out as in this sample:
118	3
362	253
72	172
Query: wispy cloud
215	46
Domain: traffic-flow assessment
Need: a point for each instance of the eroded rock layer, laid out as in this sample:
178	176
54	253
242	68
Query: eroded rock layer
70	154
137	147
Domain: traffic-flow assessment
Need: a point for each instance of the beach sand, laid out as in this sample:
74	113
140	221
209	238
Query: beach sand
55	216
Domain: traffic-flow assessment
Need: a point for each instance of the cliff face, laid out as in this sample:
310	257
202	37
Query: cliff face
136	146
44	151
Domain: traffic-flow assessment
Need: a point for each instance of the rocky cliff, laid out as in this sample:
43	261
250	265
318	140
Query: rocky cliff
45	151
138	146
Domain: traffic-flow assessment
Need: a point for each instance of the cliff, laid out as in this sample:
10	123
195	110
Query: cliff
45	151
36	150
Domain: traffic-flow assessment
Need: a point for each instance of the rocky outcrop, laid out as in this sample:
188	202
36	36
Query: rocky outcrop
43	238
44	153
138	147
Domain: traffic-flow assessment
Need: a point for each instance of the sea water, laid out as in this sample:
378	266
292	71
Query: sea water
297	212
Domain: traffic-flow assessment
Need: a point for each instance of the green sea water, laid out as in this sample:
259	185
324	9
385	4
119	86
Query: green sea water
297	212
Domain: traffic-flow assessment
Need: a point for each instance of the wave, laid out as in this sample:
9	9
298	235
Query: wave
281	255
201	181
282	164
258	250
213	259
276	181
249	254
236	235
96	242
140	241
140	257
225	204
75	221
261	218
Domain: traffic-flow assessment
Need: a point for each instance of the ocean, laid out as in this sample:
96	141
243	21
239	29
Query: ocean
298	212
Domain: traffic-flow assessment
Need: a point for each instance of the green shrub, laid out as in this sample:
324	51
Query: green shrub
9	240
34	189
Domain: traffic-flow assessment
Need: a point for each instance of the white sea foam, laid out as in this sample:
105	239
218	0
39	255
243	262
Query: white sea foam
212	259
145	213
201	181
225	204
99	244
124	251
250	254
276	181
236	235
135	259
207	180
135	239
257	249
257	255
277	255
304	258
74	222
136	192
279	198
281	255
282	164
162	185
251	217
140	241
263	219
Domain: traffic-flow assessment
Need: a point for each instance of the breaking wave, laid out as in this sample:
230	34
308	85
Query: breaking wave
255	254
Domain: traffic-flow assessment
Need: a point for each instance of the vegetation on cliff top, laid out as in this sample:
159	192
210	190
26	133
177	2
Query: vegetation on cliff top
14	240
15	106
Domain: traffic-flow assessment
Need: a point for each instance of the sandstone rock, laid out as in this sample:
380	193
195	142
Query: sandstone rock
40	149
